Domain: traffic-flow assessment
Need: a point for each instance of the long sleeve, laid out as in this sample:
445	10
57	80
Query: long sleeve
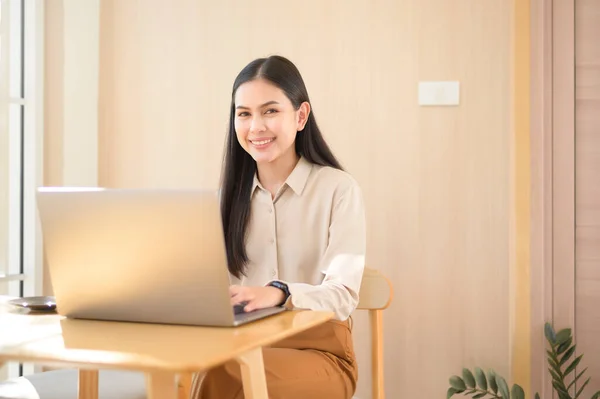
312	236
342	263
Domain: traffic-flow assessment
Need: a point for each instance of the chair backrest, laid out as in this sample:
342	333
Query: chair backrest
376	293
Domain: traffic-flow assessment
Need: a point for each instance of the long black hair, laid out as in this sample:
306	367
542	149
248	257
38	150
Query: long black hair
239	167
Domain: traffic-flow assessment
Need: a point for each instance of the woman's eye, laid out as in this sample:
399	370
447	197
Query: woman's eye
242	114
271	111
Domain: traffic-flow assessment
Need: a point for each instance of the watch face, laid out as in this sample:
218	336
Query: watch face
280	285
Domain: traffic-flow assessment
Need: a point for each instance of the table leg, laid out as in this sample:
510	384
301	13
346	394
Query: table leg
253	374
87	387
185	385
161	385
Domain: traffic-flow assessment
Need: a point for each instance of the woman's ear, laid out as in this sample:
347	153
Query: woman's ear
303	113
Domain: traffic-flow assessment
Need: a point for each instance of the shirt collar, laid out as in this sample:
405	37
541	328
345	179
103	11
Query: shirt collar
296	180
299	176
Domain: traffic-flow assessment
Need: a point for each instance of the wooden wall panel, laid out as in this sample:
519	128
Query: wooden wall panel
436	180
520	188
587	187
542	210
563	136
566	165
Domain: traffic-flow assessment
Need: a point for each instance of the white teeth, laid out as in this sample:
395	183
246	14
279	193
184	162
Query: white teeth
262	142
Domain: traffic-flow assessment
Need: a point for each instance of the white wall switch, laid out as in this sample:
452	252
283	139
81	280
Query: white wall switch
439	93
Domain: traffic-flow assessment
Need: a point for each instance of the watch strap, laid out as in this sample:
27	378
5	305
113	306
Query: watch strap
283	287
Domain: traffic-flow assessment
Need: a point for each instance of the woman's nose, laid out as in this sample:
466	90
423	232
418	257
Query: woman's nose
257	124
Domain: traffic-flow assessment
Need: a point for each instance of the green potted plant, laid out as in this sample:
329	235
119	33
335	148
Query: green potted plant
479	384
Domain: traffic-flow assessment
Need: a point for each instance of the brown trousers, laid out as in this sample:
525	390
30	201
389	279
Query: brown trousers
317	363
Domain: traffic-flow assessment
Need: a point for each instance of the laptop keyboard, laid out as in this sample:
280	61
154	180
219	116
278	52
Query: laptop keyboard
239	308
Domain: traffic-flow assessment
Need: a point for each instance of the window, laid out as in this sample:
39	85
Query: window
21	121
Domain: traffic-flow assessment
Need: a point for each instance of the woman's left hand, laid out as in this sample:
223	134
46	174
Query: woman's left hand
255	297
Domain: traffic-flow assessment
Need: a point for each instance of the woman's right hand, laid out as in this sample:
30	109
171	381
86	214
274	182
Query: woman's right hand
256	297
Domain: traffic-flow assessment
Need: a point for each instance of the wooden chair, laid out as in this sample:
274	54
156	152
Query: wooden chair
376	293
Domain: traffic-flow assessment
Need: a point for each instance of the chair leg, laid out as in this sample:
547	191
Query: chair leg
184	386
87	385
376	318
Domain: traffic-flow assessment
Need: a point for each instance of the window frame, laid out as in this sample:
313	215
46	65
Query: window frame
25	32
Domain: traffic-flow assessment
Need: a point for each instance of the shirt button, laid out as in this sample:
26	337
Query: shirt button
272	241
273	273
270	210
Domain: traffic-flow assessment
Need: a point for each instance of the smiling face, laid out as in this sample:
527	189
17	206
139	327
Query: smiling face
266	122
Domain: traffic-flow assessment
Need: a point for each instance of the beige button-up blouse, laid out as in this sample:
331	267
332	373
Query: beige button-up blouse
310	236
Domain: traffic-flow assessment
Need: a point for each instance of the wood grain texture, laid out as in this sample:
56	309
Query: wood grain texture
564	164
184	386
435	179
587	194
87	384
253	374
377	354
161	385
520	206
90	344
376	291
541	191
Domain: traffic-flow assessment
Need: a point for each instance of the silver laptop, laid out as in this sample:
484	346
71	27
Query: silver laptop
154	256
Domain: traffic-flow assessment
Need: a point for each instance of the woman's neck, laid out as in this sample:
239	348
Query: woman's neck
273	174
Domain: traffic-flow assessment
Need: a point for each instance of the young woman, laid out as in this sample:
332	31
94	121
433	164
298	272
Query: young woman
294	228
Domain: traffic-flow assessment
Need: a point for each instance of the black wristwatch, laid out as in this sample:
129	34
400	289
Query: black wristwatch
283	287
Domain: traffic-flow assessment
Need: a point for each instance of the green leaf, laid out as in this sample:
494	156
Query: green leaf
576	378
451	392
537	395
560	389
563	336
596	395
480	395
517	392
552	358
582	387
564	346
567	355
503	387
457	383
573	365
555	376
556	368
468	378
492	381
550	334
480	377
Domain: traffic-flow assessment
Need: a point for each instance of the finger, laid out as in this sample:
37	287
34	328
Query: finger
243	296
237	292
237	299
252	305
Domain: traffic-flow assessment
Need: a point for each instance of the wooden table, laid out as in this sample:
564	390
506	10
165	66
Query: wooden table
161	351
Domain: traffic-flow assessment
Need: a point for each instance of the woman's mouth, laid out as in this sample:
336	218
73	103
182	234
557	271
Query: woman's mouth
261	143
